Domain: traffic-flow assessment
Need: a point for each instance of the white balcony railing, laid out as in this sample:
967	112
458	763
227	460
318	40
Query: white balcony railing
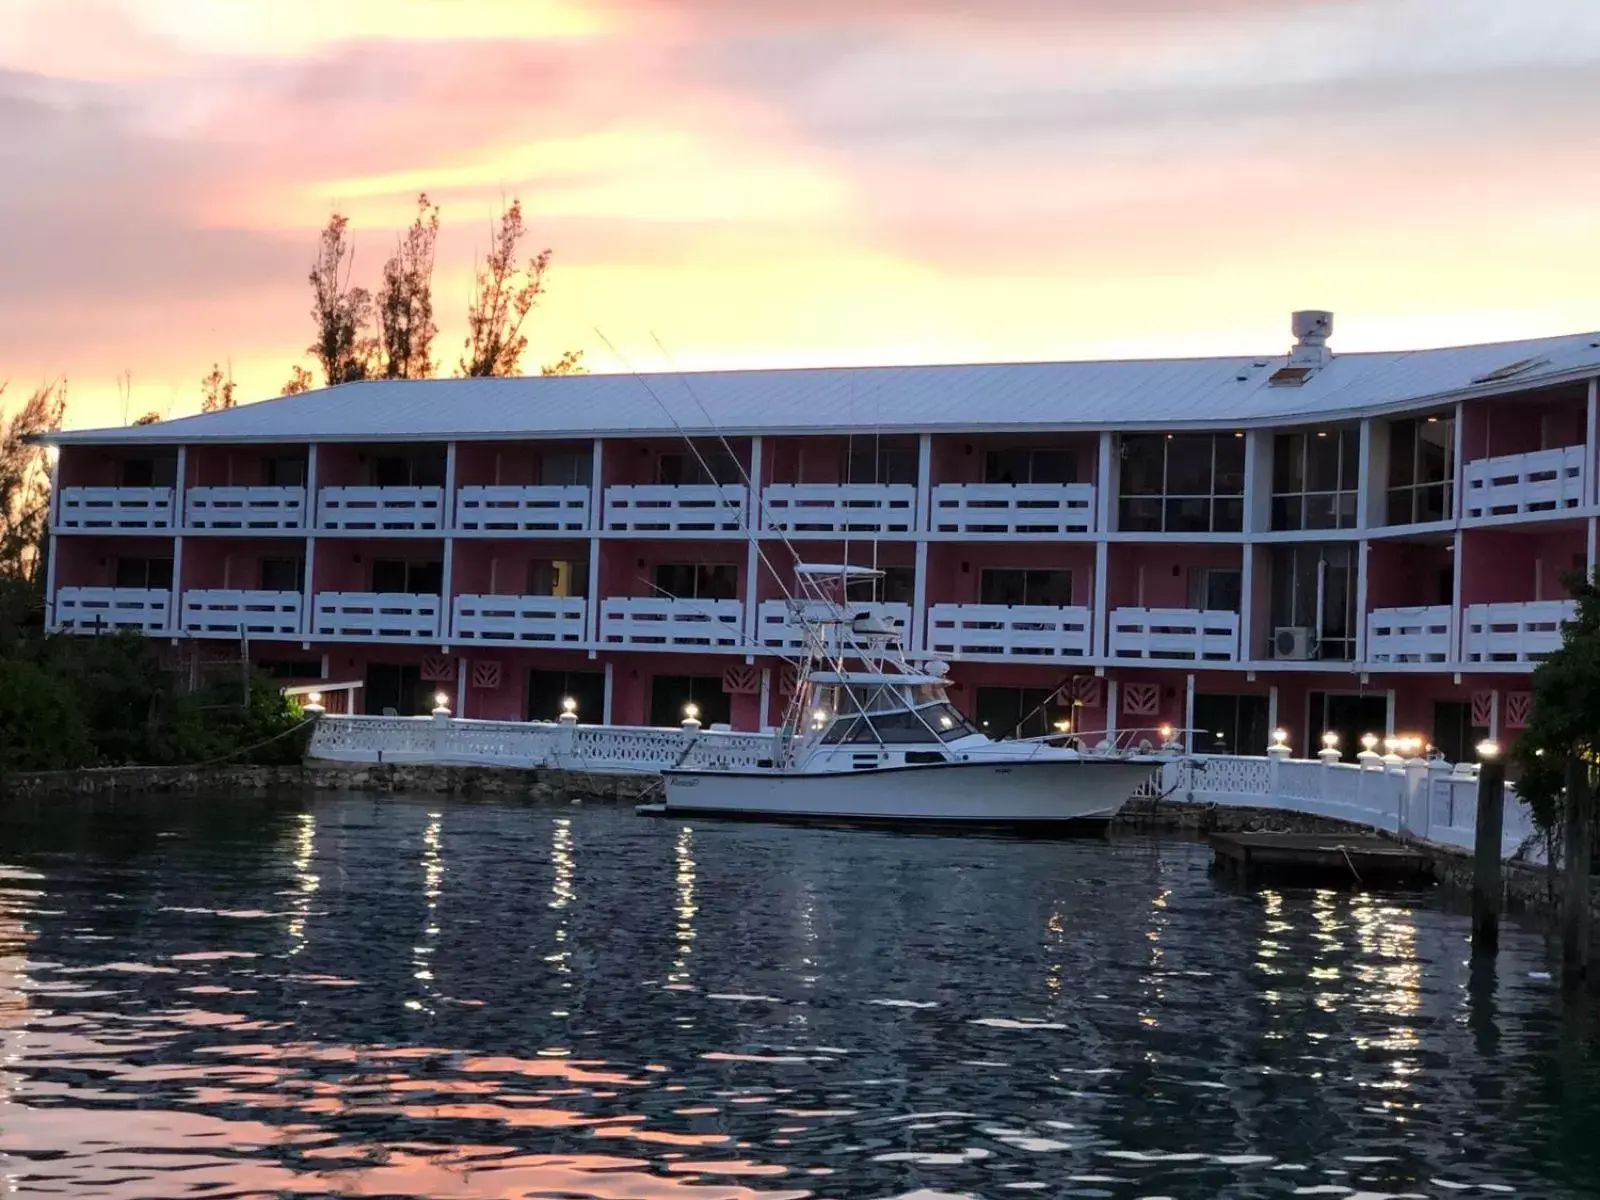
669	508
377	509
245	508
778	628
380	614
229	613
513	509
1009	631
1514	633
839	508
668	623
92	609
1539	481
1409	635
1018	509
112	508
533	620
1174	633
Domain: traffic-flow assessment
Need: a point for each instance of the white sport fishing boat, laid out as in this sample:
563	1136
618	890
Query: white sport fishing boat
870	737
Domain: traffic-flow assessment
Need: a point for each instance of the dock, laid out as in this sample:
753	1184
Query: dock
1336	859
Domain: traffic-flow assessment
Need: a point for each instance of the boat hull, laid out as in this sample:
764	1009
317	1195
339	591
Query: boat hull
1064	793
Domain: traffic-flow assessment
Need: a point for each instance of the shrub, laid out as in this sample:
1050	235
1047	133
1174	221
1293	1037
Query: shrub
41	724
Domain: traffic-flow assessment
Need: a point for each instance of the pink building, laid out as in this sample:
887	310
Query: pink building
1355	543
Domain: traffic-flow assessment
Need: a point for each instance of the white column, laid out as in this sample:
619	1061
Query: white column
1100	618
180	488
1368	477
924	482
1494	715
1590	489
1105	485
1589	551
50	577
1247	602
919	600
766	699
308	597
1272	711
177	539
605	708
1454	513
1111	711
1455	601
1188	714
447	518
596	499
752	552
447	513
1363	549
461	686
1388	713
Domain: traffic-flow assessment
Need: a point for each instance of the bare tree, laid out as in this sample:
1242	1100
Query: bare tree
405	300
25	481
216	390
343	313
505	293
299	381
570	363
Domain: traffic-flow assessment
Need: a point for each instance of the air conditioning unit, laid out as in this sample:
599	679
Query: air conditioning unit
1291	641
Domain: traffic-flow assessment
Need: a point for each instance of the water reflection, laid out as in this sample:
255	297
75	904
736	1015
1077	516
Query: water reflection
845	1015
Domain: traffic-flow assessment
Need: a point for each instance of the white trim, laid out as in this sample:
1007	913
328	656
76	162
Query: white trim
752	553
1188	713
1590	439
605	707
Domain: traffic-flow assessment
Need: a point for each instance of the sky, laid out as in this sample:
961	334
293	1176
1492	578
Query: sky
737	183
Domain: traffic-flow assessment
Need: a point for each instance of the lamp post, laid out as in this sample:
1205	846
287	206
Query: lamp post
1329	754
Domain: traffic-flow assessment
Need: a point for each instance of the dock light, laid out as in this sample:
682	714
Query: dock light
1063	726
1280	737
1488	748
819	716
1369	742
1330	740
691	711
1166	733
568	704
313	704
441	705
1391	744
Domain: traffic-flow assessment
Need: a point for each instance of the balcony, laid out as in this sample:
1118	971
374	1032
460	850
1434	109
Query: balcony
522	620
245	508
96	609
1009	631
1514	633
1017	509
376	614
1409	635
839	508
1541	481
1183	634
672	508
380	509
666	624
778	629
114	508
235	614
512	509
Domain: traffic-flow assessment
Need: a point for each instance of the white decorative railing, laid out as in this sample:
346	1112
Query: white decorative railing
228	613
779	627
1009	631
1539	481
382	614
671	508
109	508
1175	633
1409	635
245	508
536	620
513	509
659	622
1514	633
839	508
376	509
1013	508
602	749
91	609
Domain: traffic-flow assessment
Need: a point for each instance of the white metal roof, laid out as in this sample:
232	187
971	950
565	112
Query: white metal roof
1130	394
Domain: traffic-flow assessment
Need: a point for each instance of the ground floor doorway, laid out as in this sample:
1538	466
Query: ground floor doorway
670	693
547	689
1229	723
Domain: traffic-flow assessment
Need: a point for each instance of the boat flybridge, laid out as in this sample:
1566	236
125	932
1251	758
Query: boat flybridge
870	736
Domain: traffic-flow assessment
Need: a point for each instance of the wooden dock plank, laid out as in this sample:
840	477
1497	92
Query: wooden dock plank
1312	858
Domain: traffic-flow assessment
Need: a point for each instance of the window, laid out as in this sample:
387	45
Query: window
1421	470
289	669
283	574
152	574
149	472
1215	589
565	469
1025	465
1229	724
1005	712
1315	475
1182	483
419	468
558	577
935	722
688	469
407	578
1005	585
882	463
284	470
898	586
697	581
397	688
1314	587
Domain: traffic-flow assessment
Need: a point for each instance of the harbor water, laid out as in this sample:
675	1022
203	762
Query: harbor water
407	997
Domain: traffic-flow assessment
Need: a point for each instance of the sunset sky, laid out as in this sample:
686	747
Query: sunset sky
775	182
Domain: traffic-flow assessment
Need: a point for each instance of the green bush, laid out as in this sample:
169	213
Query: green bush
41	723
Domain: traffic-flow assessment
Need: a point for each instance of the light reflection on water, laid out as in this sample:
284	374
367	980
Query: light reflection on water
486	1000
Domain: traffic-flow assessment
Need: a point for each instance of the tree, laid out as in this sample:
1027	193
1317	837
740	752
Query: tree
343	313
41	721
150	418
504	295
25	482
217	390
405	300
299	381
570	363
1564	717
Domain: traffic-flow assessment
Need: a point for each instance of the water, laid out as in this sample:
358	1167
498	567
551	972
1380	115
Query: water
390	997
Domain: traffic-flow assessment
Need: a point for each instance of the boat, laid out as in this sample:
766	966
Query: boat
871	737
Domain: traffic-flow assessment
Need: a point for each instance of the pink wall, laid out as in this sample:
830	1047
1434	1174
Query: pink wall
635	461
1406	574
92	561
1165	571
960	458
512	463
1501	565
500	568
955	570
235	466
101	466
1519	423
346	565
627	568
233	563
857	553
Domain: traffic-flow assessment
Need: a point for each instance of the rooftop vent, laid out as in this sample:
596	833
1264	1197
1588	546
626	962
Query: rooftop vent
1312	328
1510	369
1288	376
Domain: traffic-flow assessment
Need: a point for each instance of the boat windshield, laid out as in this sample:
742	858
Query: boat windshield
900	726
